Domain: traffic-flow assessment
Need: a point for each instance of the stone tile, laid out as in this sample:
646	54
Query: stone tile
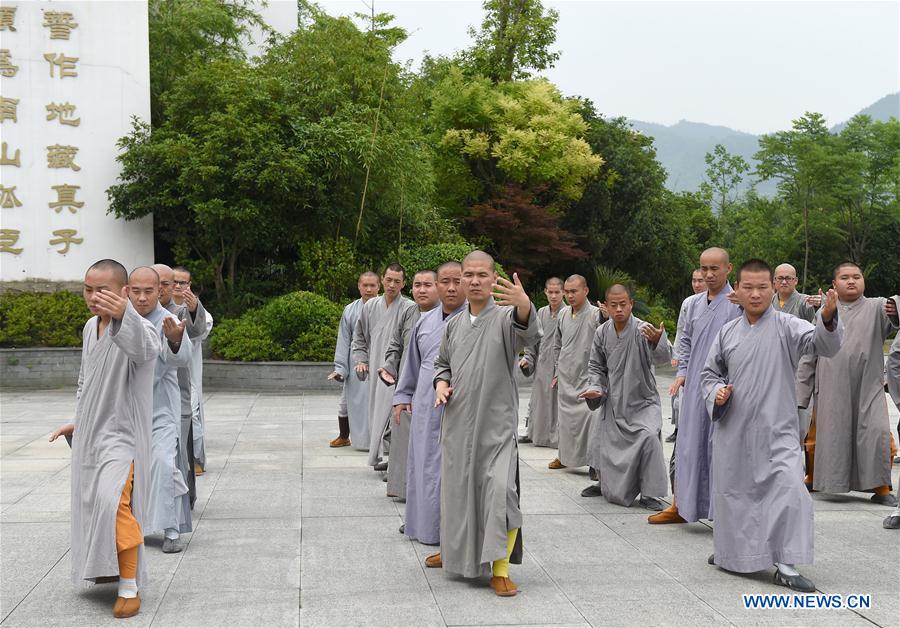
372	608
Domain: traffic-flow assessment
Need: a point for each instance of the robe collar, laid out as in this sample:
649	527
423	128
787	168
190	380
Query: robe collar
769	313
490	305
723	295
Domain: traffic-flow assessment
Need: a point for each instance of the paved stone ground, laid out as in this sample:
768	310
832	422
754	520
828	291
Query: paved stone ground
272	475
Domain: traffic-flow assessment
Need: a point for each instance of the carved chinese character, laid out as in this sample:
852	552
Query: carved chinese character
66	64
60	23
8	19
65	194
66	237
8	109
7	69
59	156
8	198
9	237
62	112
6	161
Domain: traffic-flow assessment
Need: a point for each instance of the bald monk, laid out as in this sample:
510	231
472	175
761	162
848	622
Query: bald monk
540	360
474	378
353	408
169	508
892	521
851	435
576	325
627	449
705	315
110	438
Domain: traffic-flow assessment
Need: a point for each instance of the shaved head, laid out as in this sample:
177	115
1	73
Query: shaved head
577	278
716	253
162	269
118	273
166	282
617	288
453	264
785	269
143	273
476	257
554	281
369	275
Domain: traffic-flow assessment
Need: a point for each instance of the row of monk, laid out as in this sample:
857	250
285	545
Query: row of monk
771	384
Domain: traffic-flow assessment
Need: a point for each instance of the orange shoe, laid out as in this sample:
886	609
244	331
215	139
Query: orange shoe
198	470
339	442
504	587
669	515
555	464
126	607
434	561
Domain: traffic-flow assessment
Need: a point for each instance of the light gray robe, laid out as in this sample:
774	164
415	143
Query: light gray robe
893	380
394	360
796	305
853	433
679	327
628	453
542	407
198	418
423	468
480	462
703	320
577	424
354	393
764	514
169	506
113	422
373	332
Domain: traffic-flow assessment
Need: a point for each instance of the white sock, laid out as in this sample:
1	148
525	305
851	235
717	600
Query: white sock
172	533
787	570
128	587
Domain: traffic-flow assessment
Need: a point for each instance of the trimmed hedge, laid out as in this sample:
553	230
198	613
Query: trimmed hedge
53	319
299	326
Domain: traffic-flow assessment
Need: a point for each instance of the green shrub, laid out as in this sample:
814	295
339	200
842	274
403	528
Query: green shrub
42	319
298	326
430	256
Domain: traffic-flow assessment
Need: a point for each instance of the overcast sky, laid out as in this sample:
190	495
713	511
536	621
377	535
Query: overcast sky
751	65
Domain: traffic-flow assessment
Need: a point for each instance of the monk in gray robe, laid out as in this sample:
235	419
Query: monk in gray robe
892	371
353	408
628	452
415	396
110	438
851	434
182	284
764	514
540	360
377	322
576	325
474	377
705	315
169	509
194	314
698	285
425	296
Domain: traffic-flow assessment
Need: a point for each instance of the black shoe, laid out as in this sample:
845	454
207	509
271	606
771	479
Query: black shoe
403	529
884	500
524	439
650	503
593	475
711	560
797	583
671	437
592	491
896	459
891	522
381	466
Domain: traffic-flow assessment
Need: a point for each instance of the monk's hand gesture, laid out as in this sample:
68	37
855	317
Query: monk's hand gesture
890	308
173	330
190	300
603	310
523	363
814	300
554	382
507	292
652	334
590	394
334	375
401	407
386	377
64	430
362	367
674	363
724	394
678	383
111	304
831	300
442	392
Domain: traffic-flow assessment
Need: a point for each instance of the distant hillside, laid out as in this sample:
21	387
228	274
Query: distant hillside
682	147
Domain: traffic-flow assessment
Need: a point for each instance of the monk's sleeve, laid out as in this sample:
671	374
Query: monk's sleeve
598	371
530	354
196	322
683	348
713	377
526	334
893	371
394	352
185	351
888	323
359	347
80	388
409	374
821	342
135	336
342	347
442	361
556	343
662	353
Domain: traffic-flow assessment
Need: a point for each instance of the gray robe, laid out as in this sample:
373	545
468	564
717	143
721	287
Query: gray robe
394	360
169	505
796	305
373	332
416	387
113	421
628	453
354	393
853	434
703	321
892	369
480	462
577	424
542	407
764	514
679	327
198	417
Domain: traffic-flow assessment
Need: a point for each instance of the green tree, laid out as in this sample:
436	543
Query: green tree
724	174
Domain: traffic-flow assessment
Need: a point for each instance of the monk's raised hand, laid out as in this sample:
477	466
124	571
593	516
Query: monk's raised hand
814	300
507	292
64	430
890	308
678	383
190	299
523	363
652	334
674	363
603	310
173	329
831	301
724	394
111	304
733	297
590	394
442	392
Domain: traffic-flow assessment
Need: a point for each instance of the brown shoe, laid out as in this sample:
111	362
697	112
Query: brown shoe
434	561
339	442
198	470
504	587
669	515
126	607
556	464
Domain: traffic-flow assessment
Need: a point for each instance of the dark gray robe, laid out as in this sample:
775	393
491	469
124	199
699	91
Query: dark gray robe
543	408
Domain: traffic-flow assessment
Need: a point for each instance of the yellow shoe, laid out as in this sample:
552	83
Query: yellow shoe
198	470
126	607
669	515
556	464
